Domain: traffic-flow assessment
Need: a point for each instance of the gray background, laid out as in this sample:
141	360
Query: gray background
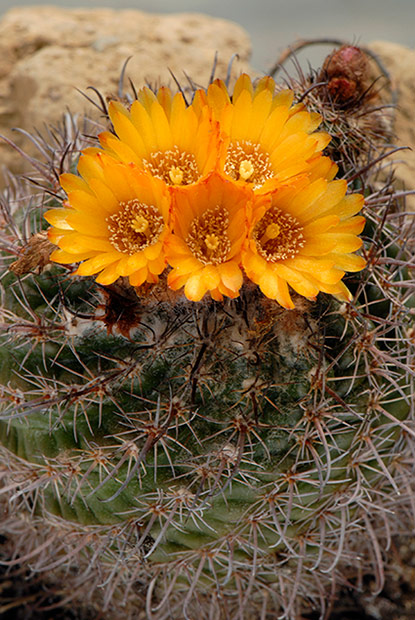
274	24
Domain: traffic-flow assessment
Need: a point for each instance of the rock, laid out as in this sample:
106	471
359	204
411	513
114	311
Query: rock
47	53
400	63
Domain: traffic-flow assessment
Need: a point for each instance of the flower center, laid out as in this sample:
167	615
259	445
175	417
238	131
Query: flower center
134	227
246	161
174	167
278	235
208	238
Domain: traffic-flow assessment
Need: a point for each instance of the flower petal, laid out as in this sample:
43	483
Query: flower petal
275	288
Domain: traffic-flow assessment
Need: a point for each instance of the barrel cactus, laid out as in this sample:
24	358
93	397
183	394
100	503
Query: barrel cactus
207	353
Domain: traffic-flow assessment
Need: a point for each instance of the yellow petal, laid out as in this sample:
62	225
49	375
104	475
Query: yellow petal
157	265
108	275
105	197
85	224
349	262
93	265
242	115
58	218
176	280
275	288
345	243
253	263
126	129
261	107
177	117
218	98
284	98
243	86
161	127
142	122
84	201
138	277
146	97
121	149
231	275
318	245
353	225
350	205
334	193
184	265
273	127
211	277
266	83
71	182
195	288
320	225
136	261
297	123
81	243
164	98
152	252
60	256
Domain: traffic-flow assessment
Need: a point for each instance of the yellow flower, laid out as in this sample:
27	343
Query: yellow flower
266	140
115	221
209	229
165	136
304	236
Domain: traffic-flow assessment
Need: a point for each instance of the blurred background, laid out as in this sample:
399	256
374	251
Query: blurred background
274	24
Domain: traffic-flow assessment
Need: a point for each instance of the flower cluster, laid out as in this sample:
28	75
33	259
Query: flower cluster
225	186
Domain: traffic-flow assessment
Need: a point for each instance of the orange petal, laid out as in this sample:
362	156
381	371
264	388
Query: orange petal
93	265
138	277
195	288
275	288
108	275
60	256
57	218
231	275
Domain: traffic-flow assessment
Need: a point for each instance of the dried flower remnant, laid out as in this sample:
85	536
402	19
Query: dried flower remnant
115	221
346	71
34	256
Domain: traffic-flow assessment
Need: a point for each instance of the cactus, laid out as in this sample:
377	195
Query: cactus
234	450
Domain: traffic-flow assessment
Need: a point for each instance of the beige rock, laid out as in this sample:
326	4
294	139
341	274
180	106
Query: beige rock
47	53
400	62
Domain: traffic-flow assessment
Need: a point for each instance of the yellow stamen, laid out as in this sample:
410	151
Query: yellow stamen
278	235
211	241
246	169
139	224
174	166
134	226
208	236
271	232
176	175
246	161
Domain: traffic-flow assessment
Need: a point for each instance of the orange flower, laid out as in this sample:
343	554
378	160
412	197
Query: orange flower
209	229
114	223
304	236
266	140
165	136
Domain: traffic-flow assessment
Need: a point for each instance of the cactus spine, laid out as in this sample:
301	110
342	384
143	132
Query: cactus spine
221	458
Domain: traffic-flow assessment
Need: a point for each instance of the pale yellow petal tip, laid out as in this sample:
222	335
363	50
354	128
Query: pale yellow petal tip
344	294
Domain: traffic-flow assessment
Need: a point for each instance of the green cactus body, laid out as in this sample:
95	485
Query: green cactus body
212	459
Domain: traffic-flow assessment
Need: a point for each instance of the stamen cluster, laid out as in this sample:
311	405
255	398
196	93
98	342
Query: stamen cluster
226	188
